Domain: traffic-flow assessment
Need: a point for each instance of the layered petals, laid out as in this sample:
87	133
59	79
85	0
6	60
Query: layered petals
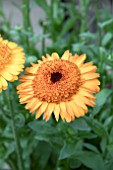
62	86
11	62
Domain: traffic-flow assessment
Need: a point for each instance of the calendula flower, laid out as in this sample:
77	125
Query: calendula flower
11	62
63	86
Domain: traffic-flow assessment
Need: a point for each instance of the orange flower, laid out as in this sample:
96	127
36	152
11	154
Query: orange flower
63	86
11	62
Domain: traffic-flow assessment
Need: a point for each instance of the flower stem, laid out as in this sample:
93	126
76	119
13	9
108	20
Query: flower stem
112	95
43	42
16	137
27	23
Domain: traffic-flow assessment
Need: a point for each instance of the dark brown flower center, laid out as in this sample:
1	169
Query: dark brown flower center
55	76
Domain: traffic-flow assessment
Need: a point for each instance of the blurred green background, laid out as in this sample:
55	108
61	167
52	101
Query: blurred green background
40	27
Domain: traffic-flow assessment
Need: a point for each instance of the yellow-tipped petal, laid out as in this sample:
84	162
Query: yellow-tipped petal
80	60
86	65
4	83
49	58
79	101
6	75
26	98
0	84
55	55
44	58
31	102
88	86
64	86
85	93
41	109
64	113
75	109
65	56
37	105
57	111
88	69
69	108
48	111
12	45
89	76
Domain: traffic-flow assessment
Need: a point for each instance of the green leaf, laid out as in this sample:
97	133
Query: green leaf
97	127
109	60
70	149
103	144
5	152
91	160
43	154
110	149
42	127
67	26
102	98
80	124
74	163
105	23
43	4
86	135
78	47
108	121
91	147
87	35
107	38
46	132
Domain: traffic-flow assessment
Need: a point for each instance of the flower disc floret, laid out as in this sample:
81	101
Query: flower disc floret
56	80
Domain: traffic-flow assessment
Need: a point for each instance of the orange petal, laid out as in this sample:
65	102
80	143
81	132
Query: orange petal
88	86
85	93
48	111
64	113
80	60
73	58
88	69
88	76
26	98
30	103
55	55
23	85
6	75
57	111
41	109
65	56
76	109
89	102
79	101
37	105
32	70
4	83
85	65
44	58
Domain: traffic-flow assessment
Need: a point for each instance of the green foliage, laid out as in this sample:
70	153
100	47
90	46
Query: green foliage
87	142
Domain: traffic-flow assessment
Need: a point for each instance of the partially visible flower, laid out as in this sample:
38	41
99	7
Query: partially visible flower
64	86
11	62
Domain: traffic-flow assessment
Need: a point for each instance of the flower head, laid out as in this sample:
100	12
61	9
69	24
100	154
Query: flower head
11	62
64	86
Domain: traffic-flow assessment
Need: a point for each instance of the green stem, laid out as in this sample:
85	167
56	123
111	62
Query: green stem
43	42
16	137
83	6
26	22
112	96
11	164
